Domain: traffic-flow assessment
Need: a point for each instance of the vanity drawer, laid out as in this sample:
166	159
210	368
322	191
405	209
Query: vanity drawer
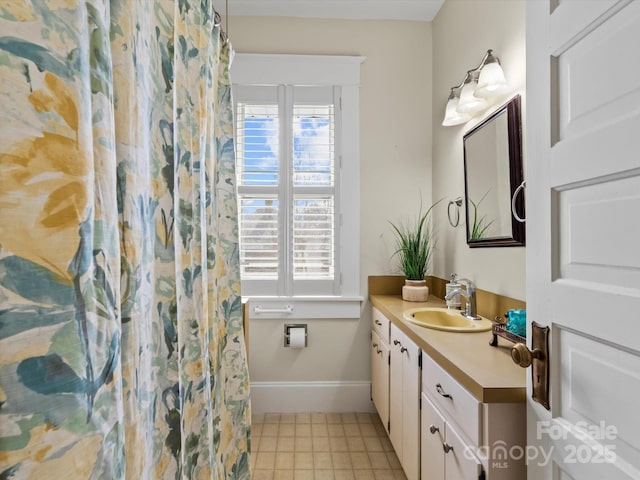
380	324
460	406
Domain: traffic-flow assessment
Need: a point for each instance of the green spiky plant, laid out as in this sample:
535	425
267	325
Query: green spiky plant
480	225
414	244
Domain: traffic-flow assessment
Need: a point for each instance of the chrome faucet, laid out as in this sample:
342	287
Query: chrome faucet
469	295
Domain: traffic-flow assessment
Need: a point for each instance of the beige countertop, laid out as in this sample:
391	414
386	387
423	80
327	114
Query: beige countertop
487	372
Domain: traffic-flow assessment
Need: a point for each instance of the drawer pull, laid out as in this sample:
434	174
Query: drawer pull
433	429
378	322
441	392
446	447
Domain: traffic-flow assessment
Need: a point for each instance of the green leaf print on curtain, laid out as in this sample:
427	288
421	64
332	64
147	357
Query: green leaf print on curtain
121	346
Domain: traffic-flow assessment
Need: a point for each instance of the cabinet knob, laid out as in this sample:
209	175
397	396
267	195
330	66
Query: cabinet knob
378	322
403	349
379	351
521	355
375	345
433	429
446	447
396	342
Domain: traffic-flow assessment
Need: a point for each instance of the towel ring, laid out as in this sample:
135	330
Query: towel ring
457	202
522	186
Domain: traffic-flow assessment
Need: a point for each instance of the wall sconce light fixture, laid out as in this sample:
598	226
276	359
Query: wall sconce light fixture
474	94
469	102
452	116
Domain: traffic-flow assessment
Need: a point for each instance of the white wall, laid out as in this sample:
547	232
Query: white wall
462	32
395	167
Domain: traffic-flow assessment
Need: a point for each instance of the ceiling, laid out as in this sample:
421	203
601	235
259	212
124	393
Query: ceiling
347	9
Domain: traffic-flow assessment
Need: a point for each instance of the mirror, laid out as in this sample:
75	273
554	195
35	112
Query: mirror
492	175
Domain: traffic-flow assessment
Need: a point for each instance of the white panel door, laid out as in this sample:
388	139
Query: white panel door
583	235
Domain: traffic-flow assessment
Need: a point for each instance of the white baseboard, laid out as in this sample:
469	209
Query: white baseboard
291	397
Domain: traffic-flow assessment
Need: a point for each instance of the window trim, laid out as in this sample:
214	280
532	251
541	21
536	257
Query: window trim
320	70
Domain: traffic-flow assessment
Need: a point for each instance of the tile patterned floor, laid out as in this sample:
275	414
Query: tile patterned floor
319	446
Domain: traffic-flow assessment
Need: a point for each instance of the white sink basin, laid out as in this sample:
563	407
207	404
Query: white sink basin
445	319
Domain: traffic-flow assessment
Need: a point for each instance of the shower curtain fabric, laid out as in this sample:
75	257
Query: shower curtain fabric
121	346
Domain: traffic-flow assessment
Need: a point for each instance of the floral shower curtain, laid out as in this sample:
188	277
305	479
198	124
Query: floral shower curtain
121	346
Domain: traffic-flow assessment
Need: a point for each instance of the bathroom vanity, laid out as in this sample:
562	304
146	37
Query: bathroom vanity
453	406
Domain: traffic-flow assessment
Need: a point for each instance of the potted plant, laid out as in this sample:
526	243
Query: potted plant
414	243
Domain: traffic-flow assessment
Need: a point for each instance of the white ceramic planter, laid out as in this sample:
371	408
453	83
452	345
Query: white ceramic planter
415	291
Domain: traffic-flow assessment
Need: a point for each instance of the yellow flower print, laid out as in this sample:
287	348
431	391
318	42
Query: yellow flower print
44	196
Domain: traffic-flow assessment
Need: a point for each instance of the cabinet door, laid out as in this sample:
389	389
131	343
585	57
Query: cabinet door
432	439
404	397
395	391
460	462
410	408
380	377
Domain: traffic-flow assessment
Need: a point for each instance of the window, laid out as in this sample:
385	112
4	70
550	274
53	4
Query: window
297	151
287	188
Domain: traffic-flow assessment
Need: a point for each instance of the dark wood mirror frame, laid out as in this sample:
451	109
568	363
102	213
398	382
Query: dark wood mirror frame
514	127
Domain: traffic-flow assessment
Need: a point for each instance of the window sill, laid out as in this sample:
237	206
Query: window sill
304	307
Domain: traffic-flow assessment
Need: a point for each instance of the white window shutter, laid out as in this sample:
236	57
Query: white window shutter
293	127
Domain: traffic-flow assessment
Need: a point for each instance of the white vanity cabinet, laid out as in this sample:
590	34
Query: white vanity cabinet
454	407
380	364
395	389
444	454
404	401
463	438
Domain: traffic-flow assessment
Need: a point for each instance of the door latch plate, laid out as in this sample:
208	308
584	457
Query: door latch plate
540	364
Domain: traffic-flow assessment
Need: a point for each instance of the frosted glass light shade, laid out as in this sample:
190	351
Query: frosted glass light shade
451	115
491	82
468	102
